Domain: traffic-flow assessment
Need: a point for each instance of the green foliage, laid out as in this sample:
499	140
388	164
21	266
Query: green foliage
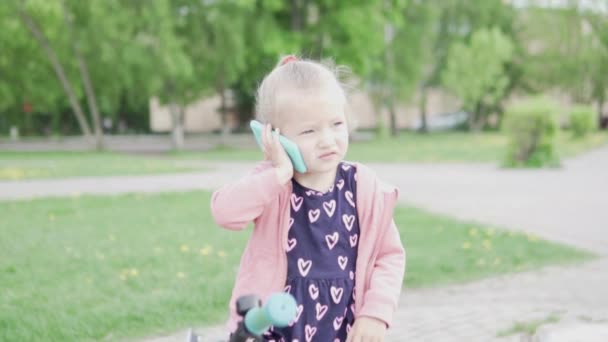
476	71
180	50
582	121
531	127
567	50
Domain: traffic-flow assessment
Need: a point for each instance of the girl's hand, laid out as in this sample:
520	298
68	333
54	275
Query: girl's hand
367	329
274	151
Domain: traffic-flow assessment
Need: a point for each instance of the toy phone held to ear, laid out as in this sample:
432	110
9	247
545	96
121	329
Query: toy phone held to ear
290	147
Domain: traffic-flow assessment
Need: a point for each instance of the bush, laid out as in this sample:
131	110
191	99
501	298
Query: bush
531	127
582	121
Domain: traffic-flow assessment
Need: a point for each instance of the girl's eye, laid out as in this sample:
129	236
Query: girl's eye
338	123
307	131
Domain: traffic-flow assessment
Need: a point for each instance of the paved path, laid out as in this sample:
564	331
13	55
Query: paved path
479	311
568	205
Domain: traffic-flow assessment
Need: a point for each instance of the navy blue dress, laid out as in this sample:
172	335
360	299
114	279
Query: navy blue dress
321	257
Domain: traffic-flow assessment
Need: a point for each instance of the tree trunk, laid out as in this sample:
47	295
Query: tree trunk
86	79
67	87
381	129
91	99
474	119
296	15
423	117
600	112
221	89
177	132
393	115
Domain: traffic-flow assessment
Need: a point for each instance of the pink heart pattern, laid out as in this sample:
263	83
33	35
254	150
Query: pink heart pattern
313	290
291	243
310	332
313	215
332	240
338	322
353	240
340	184
348	221
342	261
321	311
296	202
299	310
336	294
321	244
329	207
349	198
304	266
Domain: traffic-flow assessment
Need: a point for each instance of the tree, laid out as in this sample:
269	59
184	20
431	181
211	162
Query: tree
42	39
476	73
568	50
349	32
396	68
455	21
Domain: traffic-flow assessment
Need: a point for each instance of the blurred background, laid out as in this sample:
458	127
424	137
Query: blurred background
117	119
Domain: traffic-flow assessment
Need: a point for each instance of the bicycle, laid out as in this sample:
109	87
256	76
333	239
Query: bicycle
279	311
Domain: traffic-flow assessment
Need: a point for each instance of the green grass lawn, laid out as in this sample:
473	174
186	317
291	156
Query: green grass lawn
408	147
26	165
101	267
413	147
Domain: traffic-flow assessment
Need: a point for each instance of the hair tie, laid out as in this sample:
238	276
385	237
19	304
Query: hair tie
287	59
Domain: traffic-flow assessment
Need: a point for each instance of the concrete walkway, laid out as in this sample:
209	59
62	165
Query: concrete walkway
569	205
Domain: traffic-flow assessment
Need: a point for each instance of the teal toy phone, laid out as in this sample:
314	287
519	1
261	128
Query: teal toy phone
290	147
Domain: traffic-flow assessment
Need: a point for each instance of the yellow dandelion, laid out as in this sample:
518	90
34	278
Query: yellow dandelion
181	275
12	173
221	254
487	244
75	194
473	232
497	261
184	248
532	238
466	245
490	232
481	262
51	217
133	272
206	250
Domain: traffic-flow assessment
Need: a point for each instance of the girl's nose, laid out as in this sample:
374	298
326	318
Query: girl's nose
327	138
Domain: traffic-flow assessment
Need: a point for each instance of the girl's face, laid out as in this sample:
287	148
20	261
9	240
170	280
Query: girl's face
316	122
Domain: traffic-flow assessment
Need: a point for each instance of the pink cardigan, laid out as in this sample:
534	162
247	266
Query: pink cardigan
258	197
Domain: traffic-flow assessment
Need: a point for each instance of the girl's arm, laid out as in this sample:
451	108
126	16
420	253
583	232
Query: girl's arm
382	297
235	205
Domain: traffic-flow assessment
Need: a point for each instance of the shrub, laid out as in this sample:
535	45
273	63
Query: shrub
531	128
582	121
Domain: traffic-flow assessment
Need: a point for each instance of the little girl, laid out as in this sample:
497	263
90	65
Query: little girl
326	236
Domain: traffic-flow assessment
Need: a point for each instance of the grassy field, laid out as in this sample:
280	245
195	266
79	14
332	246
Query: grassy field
93	268
408	147
28	165
436	147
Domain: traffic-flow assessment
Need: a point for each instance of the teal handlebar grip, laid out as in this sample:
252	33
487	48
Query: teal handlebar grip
279	310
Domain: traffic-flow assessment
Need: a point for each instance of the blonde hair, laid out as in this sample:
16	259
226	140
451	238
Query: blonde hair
299	74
